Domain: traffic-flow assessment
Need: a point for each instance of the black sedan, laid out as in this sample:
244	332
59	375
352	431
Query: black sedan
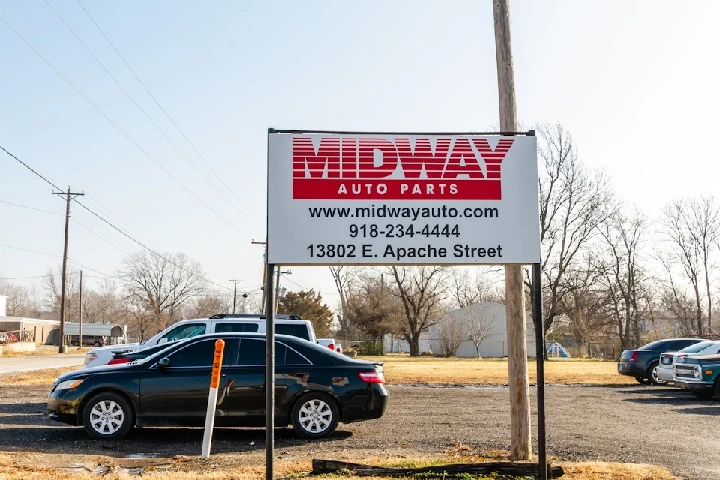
315	388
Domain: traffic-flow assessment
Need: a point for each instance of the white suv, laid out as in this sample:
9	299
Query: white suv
284	325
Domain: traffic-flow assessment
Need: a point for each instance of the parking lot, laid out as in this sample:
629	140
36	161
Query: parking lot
639	424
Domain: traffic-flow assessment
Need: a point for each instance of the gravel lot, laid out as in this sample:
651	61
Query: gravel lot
638	424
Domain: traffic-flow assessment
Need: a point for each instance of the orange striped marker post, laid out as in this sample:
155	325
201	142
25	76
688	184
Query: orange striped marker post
212	398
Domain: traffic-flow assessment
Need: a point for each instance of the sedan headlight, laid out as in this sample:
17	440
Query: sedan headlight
68	384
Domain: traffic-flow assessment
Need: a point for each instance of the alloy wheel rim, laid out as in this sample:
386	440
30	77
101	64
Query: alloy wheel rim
315	416
106	417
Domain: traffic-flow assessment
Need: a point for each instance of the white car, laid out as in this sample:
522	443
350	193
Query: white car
284	325
665	369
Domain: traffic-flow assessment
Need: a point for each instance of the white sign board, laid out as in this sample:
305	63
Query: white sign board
380	199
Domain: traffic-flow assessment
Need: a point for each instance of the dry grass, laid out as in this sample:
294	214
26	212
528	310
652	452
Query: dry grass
433	370
43	350
222	468
615	471
404	369
35	377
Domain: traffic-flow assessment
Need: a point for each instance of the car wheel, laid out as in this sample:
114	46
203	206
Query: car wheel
108	416
652	375
315	415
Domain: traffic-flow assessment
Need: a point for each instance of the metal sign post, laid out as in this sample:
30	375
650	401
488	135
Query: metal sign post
540	359
269	374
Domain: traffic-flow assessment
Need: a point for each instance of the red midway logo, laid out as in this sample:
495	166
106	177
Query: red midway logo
366	168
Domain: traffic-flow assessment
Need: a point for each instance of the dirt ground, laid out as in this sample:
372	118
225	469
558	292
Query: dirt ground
637	424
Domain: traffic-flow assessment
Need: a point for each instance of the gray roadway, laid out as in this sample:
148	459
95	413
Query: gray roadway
24	364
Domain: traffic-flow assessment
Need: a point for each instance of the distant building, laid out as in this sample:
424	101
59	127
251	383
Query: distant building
41	331
495	346
47	332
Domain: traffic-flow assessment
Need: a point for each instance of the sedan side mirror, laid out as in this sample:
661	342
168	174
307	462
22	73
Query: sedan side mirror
164	362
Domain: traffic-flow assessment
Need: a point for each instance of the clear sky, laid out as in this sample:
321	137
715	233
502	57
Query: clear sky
636	82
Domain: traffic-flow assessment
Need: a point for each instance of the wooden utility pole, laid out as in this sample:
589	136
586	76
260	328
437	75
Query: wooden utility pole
264	292
80	339
68	196
520	446
234	293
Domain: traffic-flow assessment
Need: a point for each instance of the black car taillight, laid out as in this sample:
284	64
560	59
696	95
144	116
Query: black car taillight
372	377
633	356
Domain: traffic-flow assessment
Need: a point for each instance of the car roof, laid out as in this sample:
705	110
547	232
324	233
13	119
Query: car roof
246	335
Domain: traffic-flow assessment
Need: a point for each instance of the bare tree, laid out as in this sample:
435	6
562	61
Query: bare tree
372	309
343	276
53	292
621	272
573	202
475	285
586	305
450	335
208	305
478	325
705	225
693	228
421	290
143	323
103	305
21	300
161	284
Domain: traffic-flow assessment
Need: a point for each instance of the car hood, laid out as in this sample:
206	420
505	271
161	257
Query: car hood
702	359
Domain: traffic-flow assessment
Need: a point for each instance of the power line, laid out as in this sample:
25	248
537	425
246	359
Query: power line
29	167
109	214
100	237
117	127
127	94
31	251
30	208
104	221
57	256
231	190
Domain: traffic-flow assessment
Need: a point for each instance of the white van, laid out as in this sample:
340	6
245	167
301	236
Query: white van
224	322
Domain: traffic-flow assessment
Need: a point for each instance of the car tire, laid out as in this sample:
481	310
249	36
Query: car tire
108	416
652	375
315	415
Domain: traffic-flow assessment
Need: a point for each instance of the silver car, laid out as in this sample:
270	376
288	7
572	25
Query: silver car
665	370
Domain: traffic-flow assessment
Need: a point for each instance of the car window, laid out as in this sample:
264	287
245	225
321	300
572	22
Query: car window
236	327
683	343
285	355
185	331
199	354
711	349
299	330
652	345
697	347
251	352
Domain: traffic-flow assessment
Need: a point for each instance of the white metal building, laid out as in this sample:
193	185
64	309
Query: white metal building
495	346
